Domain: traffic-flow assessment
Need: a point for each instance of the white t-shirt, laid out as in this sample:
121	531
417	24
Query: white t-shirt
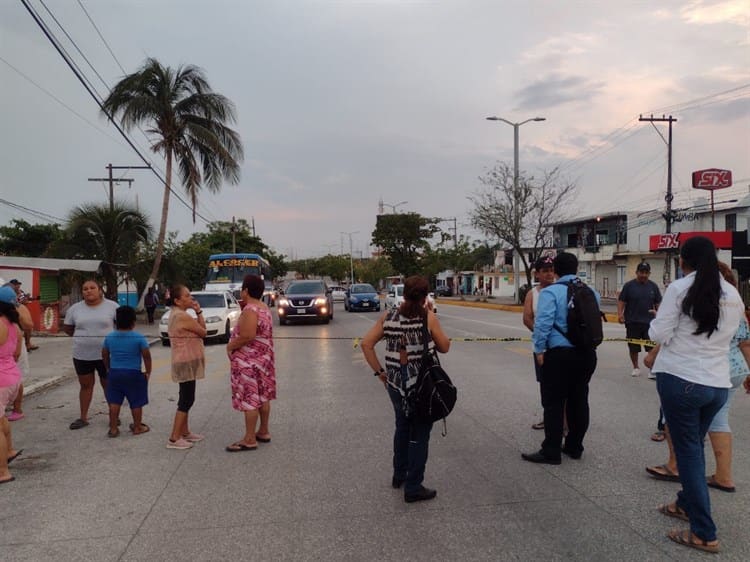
694	358
91	323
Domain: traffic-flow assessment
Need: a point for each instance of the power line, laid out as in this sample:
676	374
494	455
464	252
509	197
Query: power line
33	212
82	79
101	36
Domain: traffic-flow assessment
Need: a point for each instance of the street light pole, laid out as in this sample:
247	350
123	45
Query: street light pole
516	217
351	259
394	206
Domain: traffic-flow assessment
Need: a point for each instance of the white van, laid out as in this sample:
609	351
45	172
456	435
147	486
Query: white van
396	296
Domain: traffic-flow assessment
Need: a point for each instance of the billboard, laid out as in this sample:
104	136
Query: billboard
712	178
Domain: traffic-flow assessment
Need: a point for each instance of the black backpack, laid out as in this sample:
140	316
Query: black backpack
434	394
584	316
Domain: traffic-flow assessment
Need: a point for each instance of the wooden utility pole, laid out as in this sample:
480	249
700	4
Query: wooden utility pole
110	179
669	214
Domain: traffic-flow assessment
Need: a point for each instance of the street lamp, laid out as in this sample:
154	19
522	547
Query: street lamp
393	207
516	263
351	259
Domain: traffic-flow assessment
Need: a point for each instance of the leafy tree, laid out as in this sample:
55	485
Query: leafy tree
373	270
404	238
111	235
21	238
188	124
521	216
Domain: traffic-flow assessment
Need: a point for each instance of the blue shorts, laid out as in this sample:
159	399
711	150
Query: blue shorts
127	383
720	423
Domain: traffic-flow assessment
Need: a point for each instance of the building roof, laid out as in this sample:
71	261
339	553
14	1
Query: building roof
49	264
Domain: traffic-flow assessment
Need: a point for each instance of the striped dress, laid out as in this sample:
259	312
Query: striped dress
398	329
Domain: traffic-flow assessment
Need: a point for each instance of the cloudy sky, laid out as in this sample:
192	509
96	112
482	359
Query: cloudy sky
342	103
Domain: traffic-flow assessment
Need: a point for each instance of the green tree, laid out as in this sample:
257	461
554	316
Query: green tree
111	235
21	238
404	237
373	270
522	215
188	124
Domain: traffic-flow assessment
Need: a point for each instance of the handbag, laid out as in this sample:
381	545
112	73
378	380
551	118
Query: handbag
434	393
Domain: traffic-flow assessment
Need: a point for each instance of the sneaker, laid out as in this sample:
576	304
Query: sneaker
636	372
179	444
15	416
193	437
652	376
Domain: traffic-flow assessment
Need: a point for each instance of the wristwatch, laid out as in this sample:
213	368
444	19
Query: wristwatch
380	372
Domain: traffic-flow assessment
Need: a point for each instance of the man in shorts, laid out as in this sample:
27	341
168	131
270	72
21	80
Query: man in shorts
636	307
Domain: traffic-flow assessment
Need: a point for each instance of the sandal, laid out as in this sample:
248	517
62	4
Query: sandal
538	425
677	513
115	433
658	436
663	472
239	448
78	424
144	429
687	538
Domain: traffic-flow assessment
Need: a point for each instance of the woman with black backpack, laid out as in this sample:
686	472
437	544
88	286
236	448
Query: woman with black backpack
403	331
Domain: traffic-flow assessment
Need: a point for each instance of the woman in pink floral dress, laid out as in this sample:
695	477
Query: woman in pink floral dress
253	371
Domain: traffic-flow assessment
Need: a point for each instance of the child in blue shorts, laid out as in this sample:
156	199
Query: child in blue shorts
122	353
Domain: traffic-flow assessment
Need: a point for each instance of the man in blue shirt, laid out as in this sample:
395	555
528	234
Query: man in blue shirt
566	371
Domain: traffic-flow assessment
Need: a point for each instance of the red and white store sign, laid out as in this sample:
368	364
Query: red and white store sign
712	178
672	241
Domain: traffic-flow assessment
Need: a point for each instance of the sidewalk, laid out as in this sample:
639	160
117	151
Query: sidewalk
52	363
608	305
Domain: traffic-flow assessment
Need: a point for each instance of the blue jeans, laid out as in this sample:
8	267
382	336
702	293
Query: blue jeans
689	408
410	446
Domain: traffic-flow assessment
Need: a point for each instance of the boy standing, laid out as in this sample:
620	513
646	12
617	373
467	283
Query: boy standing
122	353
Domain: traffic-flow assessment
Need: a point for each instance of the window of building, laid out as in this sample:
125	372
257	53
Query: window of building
602	237
730	222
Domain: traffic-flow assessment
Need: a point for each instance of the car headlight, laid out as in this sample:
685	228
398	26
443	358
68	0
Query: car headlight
212	319
283	302
321	301
353	300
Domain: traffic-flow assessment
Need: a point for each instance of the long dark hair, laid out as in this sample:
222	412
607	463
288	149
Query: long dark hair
702	300
10	312
415	291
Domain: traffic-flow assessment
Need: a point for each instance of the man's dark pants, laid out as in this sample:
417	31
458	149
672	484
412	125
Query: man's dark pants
565	378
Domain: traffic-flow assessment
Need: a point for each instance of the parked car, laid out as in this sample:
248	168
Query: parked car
221	312
305	299
396	296
443	291
362	296
338	294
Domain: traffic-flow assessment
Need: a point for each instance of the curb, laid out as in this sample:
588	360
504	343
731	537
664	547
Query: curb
39	386
609	317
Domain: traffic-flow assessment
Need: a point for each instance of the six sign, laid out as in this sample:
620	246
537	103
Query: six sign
712	178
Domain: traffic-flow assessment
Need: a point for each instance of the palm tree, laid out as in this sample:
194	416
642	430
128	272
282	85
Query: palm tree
188	125
112	235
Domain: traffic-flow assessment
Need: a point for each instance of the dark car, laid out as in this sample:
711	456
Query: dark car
305	300
443	291
362	296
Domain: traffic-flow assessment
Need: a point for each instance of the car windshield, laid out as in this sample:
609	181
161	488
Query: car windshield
305	289
399	290
210	301
365	288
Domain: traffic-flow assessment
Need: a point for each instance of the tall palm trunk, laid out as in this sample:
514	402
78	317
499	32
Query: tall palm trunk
162	231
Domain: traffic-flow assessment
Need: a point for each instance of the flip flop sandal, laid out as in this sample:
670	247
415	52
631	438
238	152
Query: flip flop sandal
659	436
145	429
239	448
665	474
14	457
11	479
78	424
115	433
710	482
539	425
687	538
263	439
678	513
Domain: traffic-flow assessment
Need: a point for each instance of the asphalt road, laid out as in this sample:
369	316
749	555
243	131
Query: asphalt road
321	489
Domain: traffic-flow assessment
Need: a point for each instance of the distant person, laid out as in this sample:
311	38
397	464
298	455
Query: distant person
10	375
188	362
27	327
27	324
122	352
88	321
151	301
636	306
566	371
694	325
544	269
253	370
403	331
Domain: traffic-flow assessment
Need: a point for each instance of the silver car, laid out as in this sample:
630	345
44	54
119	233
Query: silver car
221	312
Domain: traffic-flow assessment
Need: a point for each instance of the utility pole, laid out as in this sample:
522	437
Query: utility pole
233	228
110	179
669	214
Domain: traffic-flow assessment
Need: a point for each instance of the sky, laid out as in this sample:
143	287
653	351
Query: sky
343	103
